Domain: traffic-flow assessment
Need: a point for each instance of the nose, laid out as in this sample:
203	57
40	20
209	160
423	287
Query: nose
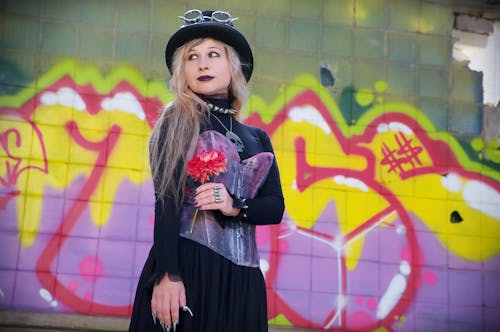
204	62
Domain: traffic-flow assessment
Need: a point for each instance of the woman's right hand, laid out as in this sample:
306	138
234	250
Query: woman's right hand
168	297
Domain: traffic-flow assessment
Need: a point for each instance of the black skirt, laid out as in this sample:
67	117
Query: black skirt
223	296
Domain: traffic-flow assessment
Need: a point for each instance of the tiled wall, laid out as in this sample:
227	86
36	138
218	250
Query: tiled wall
393	198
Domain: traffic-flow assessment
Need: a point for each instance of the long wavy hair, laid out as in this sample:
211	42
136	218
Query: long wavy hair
176	132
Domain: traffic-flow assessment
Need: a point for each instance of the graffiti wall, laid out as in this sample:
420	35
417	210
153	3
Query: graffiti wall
392	219
389	225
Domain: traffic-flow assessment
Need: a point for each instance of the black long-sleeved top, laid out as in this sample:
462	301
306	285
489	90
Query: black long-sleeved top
266	208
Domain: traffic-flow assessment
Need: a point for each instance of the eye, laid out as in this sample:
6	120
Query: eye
192	57
213	54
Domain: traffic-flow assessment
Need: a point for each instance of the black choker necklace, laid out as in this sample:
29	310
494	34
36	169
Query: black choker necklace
218	109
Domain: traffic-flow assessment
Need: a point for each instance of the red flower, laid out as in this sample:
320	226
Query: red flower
202	167
206	164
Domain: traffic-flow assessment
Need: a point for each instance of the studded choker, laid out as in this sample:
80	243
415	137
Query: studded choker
217	109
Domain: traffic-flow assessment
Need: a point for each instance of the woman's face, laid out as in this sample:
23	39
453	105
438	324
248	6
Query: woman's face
206	67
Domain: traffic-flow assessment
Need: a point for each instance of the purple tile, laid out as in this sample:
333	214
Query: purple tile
145	223
53	210
364	279
323	306
433	286
79	286
7	281
492	290
9	247
9	217
30	294
84	226
392	244
147	193
465	287
491	319
433	252
325	275
122	222
29	256
294	272
77	255
116	257
294	241
299	302
431	317
466	318
112	291
127	192
141	254
492	264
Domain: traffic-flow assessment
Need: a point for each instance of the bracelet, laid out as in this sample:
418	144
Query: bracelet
239	203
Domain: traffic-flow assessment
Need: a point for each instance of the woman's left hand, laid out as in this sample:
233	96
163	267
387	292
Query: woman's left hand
214	196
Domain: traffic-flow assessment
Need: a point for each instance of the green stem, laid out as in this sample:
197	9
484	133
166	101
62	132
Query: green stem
192	221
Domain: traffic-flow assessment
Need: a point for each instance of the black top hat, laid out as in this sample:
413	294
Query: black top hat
211	24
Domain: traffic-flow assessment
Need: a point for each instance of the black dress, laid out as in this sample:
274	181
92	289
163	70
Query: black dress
222	295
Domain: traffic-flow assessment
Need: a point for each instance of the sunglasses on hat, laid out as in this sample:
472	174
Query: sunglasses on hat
194	16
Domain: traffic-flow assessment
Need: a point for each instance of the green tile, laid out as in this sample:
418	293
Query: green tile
436	19
402	47
435	50
271	33
437	110
132	46
311	9
433	83
341	69
371	13
271	64
133	15
301	64
275	8
367	73
304	36
404	15
265	88
465	118
18	32
467	85
239	8
338	12
164	18
246	25
96	42
158	44
337	40
46	62
25	7
98	12
66	10
59	38
369	44
17	68
401	79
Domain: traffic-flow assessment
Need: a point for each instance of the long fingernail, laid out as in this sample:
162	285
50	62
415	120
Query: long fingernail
174	325
154	319
186	309
168	328
163	327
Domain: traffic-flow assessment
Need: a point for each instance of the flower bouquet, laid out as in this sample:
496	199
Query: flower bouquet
204	166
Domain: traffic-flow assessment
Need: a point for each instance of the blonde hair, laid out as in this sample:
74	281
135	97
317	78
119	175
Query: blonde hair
175	134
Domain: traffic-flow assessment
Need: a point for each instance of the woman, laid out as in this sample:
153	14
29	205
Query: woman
202	273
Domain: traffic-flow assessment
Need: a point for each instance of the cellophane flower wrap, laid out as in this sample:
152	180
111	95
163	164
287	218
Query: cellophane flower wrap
204	166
